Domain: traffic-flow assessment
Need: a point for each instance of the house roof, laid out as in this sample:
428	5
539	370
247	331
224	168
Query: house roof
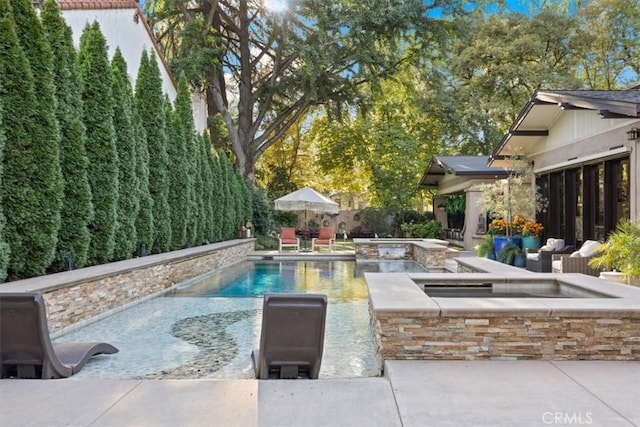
97	4
466	166
546	106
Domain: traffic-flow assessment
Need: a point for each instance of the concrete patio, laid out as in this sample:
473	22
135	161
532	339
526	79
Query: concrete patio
412	393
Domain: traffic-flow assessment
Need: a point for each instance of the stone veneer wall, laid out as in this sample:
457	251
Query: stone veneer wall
70	300
408	336
429	255
370	250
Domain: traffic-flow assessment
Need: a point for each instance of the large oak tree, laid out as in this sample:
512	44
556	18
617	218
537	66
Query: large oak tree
261	70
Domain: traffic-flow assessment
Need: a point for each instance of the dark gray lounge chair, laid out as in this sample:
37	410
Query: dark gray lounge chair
26	350
292	336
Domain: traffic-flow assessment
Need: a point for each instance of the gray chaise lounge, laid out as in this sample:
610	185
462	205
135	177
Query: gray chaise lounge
292	336
26	350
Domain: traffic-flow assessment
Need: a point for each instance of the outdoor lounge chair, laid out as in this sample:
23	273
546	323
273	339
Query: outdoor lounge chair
540	261
287	238
578	261
26	350
326	237
292	336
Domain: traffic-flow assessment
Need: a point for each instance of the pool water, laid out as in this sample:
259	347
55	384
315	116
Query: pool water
208	326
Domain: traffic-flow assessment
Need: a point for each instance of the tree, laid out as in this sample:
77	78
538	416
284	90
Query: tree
229	220
77	207
207	189
128	198
186	129
492	67
381	151
149	102
144	220
216	192
96	92
288	165
607	44
315	53
178	178
4	247
32	181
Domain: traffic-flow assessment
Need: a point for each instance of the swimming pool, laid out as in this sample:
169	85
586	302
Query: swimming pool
207	327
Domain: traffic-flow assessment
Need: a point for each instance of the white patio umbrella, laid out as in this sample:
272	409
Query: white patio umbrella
306	199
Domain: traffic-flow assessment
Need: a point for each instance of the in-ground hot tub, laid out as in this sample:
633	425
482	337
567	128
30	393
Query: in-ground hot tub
585	318
546	288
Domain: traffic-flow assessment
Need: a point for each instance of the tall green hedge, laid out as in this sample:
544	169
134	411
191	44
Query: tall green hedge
149	102
195	227
207	190
144	218
95	83
186	127
4	248
229	220
77	208
178	177
217	195
32	180
128	198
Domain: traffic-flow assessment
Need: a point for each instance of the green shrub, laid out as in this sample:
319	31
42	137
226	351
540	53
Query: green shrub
430	229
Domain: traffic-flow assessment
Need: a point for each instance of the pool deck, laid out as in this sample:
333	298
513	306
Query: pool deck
412	393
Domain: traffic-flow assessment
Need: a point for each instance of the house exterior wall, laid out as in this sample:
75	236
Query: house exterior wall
581	137
578	125
124	28
579	134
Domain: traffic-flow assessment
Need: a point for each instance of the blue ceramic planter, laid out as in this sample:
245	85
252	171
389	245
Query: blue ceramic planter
499	242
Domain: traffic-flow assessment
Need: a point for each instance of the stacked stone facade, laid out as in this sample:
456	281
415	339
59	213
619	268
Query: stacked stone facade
78	295
408	336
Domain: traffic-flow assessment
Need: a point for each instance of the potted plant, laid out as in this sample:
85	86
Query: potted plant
509	253
621	252
515	196
531	231
485	248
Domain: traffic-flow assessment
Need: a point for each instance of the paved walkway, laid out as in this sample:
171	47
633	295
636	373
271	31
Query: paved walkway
412	393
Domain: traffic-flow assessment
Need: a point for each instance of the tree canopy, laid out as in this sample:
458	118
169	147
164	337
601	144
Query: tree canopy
261	70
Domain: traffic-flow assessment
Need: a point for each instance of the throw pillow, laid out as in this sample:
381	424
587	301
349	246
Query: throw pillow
558	244
589	248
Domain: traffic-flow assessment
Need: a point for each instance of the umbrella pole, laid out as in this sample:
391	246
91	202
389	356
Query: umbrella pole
306	224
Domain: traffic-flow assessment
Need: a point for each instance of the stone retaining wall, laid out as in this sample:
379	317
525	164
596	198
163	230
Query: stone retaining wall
77	295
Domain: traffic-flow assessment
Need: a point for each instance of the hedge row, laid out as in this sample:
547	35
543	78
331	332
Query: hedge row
92	171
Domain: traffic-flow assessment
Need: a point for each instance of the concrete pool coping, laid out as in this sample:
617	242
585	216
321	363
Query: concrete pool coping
412	393
400	293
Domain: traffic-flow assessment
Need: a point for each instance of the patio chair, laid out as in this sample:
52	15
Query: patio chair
540	261
326	237
26	350
578	261
292	336
287	238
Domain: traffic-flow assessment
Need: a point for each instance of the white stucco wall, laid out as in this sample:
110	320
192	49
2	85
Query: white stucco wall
121	30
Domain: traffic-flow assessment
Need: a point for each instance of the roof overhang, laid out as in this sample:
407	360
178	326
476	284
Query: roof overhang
447	168
546	107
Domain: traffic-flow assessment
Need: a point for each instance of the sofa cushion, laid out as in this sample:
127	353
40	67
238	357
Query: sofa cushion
556	266
558	244
575	254
589	248
553	245
533	256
